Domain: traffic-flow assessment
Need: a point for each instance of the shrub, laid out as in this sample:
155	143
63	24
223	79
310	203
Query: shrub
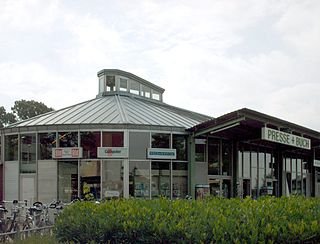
268	219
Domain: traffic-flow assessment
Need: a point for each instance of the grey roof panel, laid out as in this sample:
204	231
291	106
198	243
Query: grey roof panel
119	109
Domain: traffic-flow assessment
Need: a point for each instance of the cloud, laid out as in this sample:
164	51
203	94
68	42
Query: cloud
212	57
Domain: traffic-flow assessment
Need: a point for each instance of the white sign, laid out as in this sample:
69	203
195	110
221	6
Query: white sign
112	194
316	163
285	138
112	152
161	153
67	152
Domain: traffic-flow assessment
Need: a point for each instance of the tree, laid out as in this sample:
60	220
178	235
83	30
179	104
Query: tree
24	109
6	118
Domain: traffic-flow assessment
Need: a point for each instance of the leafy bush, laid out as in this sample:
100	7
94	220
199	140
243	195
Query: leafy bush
267	220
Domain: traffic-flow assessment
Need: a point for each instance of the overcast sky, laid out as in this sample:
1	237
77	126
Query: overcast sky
211	56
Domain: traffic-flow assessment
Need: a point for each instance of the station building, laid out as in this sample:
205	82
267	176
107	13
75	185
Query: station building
128	143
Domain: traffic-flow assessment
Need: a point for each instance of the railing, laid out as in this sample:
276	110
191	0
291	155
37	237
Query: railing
23	234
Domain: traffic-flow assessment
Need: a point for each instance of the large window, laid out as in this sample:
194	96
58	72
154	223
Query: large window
110	83
11	148
67	181
179	142
47	141
213	157
180	179
160	185
68	139
200	150
28	153
90	141
134	87
139	179
160	140
90	180
112	139
112	179
123	84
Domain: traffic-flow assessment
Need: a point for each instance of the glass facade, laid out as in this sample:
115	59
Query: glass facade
11	147
47	141
90	141
90	179
139	179
295	172
179	142
160	184
160	140
28	153
112	139
179	180
112	178
67	180
68	139
256	171
200	153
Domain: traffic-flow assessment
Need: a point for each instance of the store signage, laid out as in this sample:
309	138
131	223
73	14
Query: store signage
112	152
316	163
112	194
161	153
285	138
67	152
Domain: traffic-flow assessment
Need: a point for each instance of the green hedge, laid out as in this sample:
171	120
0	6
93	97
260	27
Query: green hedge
266	220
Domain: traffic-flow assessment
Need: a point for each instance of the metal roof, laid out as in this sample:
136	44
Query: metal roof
118	108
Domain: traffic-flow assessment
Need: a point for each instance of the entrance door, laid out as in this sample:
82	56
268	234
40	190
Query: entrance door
220	187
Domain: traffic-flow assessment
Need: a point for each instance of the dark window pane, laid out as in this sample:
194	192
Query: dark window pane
68	139
11	148
89	143
28	153
213	157
47	142
160	140
112	139
179	142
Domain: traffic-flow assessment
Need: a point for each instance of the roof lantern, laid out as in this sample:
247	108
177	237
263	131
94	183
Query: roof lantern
115	81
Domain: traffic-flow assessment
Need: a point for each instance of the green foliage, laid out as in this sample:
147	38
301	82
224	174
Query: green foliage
24	109
266	220
21	110
6	118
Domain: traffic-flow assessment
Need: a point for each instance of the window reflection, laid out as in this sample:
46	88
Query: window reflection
112	179
68	139
28	153
160	185
160	140
200	150
179	142
112	139
90	141
11	148
180	179
213	157
139	179
90	180
47	142
67	180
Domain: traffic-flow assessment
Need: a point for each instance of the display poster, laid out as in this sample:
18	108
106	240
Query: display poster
67	152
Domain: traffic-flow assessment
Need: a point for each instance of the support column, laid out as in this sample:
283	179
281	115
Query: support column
191	157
